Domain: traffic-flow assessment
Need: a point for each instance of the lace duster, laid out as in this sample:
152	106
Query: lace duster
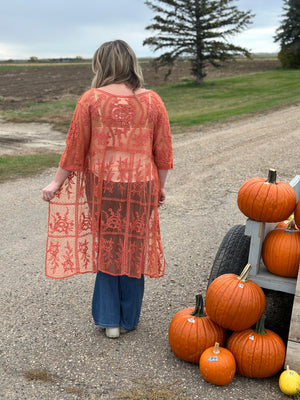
105	215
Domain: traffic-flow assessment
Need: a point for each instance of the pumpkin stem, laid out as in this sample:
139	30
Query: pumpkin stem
244	275
260	325
292	225
271	176
216	348
198	312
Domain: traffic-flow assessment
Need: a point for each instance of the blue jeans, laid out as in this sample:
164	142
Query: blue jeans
117	301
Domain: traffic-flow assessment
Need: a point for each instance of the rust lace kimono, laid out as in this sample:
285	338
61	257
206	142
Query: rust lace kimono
105	215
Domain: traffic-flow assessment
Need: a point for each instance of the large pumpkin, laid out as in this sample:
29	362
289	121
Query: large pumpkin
281	251
266	200
191	331
217	365
234	302
297	214
259	352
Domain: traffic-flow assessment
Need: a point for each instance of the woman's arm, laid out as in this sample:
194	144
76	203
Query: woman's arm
49	191
162	173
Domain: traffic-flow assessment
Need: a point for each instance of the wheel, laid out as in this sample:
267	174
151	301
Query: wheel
232	255
231	258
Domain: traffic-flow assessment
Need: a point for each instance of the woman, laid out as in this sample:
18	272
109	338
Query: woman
103	214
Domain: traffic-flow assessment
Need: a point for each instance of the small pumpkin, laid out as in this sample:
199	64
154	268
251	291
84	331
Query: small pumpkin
191	331
284	224
259	352
289	382
217	365
297	214
266	200
281	251
235	302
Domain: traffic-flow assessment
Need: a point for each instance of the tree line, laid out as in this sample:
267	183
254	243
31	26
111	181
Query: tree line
202	30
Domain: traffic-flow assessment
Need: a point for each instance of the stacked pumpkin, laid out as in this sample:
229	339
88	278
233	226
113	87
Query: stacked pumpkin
272	201
235	303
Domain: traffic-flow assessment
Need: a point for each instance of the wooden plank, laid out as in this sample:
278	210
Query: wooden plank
292	358
267	280
295	183
294	332
297	291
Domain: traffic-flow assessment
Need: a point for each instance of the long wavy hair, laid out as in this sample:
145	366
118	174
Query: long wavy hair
116	62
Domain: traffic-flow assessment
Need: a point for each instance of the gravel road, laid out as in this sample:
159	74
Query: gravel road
47	324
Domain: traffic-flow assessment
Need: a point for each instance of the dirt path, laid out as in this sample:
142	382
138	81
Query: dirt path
47	323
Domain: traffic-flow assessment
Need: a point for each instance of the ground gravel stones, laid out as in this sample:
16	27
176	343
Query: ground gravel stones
50	348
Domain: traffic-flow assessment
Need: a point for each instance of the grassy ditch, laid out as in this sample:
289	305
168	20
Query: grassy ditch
13	167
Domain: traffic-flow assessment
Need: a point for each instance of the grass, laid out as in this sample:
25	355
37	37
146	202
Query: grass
146	390
12	167
219	99
41	375
58	113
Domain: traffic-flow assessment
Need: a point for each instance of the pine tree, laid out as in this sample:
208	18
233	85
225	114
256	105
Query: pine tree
288	35
199	29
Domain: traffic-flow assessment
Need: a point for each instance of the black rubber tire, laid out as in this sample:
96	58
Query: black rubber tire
231	258
232	255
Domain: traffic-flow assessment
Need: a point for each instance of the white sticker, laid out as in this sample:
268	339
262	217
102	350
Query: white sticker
191	320
251	337
213	358
241	285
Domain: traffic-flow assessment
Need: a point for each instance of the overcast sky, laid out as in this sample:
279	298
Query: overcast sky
70	28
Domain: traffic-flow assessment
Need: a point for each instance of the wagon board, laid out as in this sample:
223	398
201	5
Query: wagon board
259	274
293	346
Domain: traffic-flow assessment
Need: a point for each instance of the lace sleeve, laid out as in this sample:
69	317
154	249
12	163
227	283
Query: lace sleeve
78	138
162	142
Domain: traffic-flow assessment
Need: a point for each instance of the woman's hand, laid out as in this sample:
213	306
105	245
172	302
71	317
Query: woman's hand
49	191
162	197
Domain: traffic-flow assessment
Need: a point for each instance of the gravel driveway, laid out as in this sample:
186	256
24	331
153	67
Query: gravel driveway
47	324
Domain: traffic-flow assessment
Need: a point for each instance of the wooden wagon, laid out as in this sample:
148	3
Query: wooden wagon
243	244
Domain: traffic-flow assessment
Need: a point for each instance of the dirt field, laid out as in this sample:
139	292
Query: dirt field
21	86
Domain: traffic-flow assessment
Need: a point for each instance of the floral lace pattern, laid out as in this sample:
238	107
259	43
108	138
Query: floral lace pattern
105	215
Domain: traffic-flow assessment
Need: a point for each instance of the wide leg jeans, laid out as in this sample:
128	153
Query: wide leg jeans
117	301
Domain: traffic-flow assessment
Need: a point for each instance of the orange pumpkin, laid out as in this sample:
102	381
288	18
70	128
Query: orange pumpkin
297	214
281	251
191	332
259	352
217	365
266	200
234	302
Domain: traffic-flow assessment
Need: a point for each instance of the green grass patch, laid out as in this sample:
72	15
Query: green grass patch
58	113
218	99
13	167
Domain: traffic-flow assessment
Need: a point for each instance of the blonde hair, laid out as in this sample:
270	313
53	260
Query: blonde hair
116	62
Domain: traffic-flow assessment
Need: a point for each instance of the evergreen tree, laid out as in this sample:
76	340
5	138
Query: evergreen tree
199	29
288	35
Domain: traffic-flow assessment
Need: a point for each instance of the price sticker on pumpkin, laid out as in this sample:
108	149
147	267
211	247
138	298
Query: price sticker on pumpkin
251	337
241	285
213	358
191	320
